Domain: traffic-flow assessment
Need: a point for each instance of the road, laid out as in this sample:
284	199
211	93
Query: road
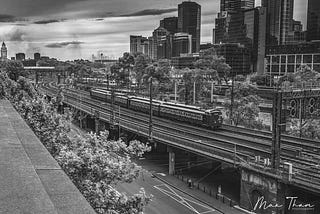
166	199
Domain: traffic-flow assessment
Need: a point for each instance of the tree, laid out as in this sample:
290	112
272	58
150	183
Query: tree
141	63
14	69
126	63
304	76
214	65
94	164
245	108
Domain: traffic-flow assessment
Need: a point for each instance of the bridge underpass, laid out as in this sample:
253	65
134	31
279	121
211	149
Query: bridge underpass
256	179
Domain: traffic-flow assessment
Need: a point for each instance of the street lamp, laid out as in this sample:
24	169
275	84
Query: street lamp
150	118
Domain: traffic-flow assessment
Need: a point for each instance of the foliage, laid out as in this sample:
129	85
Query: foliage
245	108
214	65
309	129
261	79
304	76
14	69
94	164
139	69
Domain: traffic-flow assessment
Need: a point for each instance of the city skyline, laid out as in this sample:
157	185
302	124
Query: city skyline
79	28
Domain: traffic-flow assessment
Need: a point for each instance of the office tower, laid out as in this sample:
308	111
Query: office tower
150	47
20	56
170	24
189	21
36	56
136	44
236	55
313	26
182	44
280	18
222	27
236	5
157	38
261	46
4	52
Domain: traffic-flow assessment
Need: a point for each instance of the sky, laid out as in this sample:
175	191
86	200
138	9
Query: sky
76	29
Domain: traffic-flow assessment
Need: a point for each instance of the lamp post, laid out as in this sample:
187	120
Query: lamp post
150	118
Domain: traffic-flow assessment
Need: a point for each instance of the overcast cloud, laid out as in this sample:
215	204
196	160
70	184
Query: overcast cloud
83	27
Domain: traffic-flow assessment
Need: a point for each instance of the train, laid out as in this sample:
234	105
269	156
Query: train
211	118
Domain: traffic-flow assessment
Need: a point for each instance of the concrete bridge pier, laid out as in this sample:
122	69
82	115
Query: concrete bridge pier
262	194
171	160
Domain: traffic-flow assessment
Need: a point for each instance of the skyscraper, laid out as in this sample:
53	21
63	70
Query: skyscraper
236	5
170	24
136	44
158	40
189	21
280	20
4	52
313	26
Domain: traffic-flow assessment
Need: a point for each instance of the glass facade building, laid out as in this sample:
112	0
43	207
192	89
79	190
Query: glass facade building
236	5
280	20
170	24
189	21
313	25
237	56
285	59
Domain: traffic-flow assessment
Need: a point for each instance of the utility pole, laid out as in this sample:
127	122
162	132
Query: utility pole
194	92
150	118
211	92
112	118
276	129
232	99
175	90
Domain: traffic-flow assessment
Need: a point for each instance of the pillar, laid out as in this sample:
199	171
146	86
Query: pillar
262	194
96	125
171	161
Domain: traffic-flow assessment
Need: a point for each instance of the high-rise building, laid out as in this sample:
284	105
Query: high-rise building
280	19
20	56
261	49
222	27
158	35
4	52
313	26
36	56
236	5
236	55
189	21
182	44
136	44
246	27
170	24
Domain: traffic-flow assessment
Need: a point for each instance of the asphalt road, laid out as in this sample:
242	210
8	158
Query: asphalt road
166	199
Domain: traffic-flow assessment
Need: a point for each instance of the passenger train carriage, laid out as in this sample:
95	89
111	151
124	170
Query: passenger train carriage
173	111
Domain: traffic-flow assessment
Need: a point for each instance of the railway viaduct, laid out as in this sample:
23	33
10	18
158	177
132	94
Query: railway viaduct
273	190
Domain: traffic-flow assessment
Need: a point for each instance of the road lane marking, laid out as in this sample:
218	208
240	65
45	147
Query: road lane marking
165	189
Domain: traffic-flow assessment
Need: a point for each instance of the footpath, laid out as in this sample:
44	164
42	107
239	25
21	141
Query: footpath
31	181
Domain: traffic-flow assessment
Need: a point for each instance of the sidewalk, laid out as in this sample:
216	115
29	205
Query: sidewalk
31	181
194	192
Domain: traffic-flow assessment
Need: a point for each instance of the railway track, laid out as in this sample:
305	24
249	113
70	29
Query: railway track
221	142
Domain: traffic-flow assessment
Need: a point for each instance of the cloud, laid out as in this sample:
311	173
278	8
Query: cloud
43	22
15	35
7	18
151	12
63	44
